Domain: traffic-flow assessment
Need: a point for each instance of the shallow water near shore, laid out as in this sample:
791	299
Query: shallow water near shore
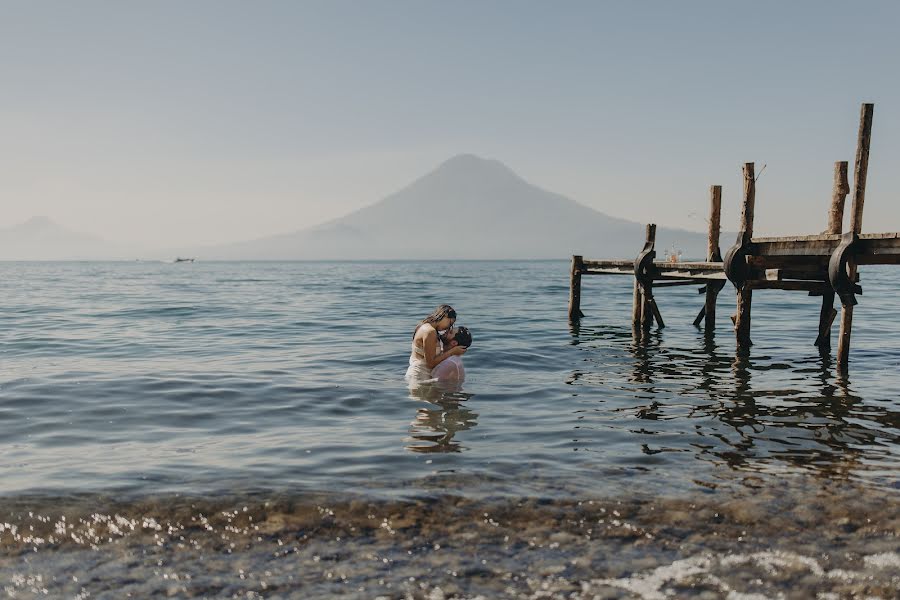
225	429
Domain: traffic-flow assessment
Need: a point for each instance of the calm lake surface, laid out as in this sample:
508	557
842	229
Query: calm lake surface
244	429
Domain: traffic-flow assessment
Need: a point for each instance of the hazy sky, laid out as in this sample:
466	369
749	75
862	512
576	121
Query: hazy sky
203	122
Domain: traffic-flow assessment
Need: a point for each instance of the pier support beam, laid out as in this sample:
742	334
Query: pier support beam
744	293
575	288
860	168
636	307
644	281
835	224
713	254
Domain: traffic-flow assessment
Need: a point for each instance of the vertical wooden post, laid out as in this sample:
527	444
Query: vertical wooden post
646	312
838	196
835	223
860	169
575	288
636	306
647	292
744	294
713	253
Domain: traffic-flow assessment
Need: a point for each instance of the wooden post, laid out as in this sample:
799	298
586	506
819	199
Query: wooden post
860	168
838	195
835	223
713	253
575	288
647	312
636	305
656	313
744	294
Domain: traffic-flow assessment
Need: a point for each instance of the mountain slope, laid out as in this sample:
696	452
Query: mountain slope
467	208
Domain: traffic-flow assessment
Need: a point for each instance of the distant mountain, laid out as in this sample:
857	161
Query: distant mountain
40	238
467	208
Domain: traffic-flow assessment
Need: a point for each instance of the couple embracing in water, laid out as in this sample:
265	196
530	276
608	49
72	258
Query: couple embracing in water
437	348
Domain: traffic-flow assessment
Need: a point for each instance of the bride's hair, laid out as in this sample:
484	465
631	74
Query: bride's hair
444	310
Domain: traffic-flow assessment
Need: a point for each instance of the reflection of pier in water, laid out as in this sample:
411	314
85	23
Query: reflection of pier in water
684	397
444	415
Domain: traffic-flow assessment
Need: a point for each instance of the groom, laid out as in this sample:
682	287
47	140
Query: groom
451	369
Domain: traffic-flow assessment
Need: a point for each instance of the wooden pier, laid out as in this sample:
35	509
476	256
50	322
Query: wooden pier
821	265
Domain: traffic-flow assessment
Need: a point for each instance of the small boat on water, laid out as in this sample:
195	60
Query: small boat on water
180	259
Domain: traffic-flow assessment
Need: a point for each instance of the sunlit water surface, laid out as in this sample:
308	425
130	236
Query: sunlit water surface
225	429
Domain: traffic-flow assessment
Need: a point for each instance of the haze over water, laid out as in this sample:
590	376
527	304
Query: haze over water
229	428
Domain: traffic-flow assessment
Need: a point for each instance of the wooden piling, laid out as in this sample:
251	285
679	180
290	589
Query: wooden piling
656	314
647	304
713	253
646	312
860	169
702	314
744	293
835	224
839	193
636	305
575	288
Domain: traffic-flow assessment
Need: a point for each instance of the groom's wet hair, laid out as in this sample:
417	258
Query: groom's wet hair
463	337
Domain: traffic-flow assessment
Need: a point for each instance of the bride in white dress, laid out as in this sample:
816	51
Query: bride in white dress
427	349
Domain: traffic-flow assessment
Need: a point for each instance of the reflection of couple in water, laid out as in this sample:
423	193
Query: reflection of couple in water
437	348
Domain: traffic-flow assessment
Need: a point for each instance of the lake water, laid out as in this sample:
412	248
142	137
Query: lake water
244	430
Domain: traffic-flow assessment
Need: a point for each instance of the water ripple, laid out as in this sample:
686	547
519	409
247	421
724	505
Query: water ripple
151	377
